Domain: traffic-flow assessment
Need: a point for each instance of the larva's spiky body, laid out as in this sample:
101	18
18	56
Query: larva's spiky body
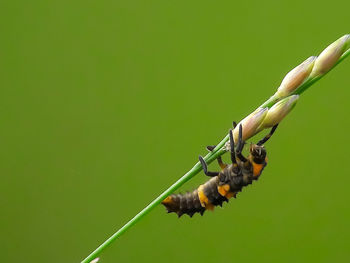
188	203
224	184
217	190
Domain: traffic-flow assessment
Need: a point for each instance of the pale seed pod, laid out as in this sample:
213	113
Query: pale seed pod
250	124
295	78
278	111
327	59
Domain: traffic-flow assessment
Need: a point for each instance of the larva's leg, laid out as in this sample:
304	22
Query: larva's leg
210	148
240	145
232	147
268	136
220	162
205	168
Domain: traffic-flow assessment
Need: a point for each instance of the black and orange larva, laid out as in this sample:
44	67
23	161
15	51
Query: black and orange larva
224	184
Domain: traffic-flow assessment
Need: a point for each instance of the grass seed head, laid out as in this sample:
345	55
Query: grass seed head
329	57
250	124
278	111
295	78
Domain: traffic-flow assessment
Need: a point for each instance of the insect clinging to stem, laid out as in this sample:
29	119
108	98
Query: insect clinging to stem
224	184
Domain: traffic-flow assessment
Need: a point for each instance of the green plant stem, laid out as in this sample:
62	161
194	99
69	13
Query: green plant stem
218	151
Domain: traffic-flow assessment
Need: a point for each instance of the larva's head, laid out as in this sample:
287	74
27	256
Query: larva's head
258	152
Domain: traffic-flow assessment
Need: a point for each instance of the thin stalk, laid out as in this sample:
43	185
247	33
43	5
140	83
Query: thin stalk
218	151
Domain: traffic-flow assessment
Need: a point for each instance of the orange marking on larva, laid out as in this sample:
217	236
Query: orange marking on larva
257	168
167	200
202	197
226	187
221	190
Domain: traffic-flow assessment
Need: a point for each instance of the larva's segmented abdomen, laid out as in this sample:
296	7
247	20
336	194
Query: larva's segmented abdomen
205	197
184	204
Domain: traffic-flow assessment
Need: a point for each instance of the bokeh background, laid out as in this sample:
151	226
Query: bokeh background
104	104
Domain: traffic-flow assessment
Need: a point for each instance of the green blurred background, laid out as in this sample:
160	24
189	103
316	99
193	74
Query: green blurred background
104	104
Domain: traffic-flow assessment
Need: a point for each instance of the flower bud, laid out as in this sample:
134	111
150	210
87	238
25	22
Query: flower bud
327	59
95	260
250	124
295	78
278	111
